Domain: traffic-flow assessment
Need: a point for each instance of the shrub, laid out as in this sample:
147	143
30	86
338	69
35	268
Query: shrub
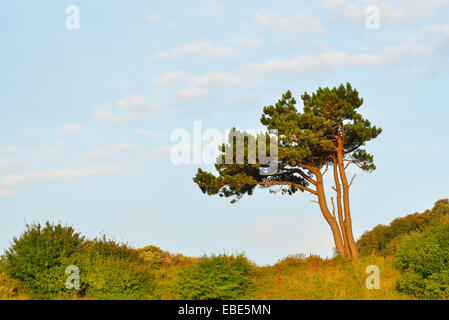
152	255
113	271
381	240
155	257
424	259
40	256
108	270
215	278
293	260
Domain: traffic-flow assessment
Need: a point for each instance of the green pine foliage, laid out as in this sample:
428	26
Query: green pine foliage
307	138
216	278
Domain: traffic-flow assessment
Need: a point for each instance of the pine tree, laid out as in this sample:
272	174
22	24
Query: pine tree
329	132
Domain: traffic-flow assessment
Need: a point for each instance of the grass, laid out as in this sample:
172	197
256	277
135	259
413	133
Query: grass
293	278
10	289
296	278
299	278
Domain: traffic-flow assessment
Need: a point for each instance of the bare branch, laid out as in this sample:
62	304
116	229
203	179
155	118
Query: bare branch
327	165
302	174
352	180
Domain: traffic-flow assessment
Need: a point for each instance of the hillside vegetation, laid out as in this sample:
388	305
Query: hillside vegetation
383	240
412	254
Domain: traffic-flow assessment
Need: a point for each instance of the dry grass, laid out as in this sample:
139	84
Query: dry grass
293	278
10	289
306	279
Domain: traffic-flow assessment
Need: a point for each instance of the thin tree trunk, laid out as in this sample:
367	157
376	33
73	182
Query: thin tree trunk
348	222
340	210
328	216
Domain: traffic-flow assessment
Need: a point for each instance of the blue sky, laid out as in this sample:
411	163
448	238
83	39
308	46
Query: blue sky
86	114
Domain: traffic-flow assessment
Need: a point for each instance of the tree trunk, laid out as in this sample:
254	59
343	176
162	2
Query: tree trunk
347	212
328	216
340	211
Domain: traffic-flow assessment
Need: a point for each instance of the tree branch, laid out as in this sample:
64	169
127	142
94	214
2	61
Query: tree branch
302	174
352	180
353	149
327	165
287	183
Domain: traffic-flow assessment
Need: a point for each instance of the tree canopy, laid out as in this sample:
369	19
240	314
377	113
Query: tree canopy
329	131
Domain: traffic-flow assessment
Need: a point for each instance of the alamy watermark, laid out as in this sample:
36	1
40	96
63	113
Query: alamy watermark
373	280
201	147
372	21
73	281
73	19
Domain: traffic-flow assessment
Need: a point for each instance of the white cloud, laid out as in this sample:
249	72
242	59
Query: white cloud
169	77
10	162
144	133
126	110
99	153
17	179
31	132
217	78
161	150
154	17
136	103
206	50
211	79
247	42
299	63
334	60
346	11
110	152
393	13
11	149
369	59
408	50
191	94
435	35
433	29
297	23
71	128
111	117
5	193
125	147
209	8
240	100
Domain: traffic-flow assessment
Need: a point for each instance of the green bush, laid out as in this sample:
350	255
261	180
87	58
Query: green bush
39	258
152	255
113	271
424	259
382	240
215	278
